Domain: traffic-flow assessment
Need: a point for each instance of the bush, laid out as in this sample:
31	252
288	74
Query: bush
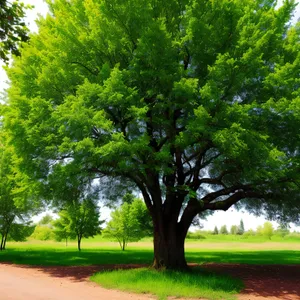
197	235
43	233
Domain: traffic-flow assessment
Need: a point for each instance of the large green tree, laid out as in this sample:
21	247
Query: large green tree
13	29
194	102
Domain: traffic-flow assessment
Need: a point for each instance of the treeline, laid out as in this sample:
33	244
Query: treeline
266	230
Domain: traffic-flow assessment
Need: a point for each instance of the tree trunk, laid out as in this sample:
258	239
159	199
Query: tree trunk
169	248
66	242
78	243
4	243
2	240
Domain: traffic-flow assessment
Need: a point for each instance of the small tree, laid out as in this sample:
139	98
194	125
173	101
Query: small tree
216	231
267	230
129	223
79	219
223	229
234	229
241	228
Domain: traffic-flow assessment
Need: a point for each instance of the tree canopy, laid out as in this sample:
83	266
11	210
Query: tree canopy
194	102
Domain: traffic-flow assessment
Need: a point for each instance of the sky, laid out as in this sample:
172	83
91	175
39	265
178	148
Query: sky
231	217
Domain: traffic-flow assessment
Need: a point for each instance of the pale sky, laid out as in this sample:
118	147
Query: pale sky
231	217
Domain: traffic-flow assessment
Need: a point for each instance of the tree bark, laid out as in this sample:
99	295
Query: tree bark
169	247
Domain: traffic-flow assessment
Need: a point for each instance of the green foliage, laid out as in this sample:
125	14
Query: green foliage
223	230
129	223
46	220
20	232
13	29
283	230
197	235
43	233
15	201
198	283
266	230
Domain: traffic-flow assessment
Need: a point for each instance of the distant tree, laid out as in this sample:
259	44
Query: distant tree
78	219
46	220
241	228
44	229
13	29
283	229
129	223
267	230
234	229
223	229
216	231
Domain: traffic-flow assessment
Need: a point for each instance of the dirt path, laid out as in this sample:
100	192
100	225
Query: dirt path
17	282
24	283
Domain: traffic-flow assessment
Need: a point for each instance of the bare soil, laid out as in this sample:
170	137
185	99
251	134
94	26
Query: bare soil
264	282
18	282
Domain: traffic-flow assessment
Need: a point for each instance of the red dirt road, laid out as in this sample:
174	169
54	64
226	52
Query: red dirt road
17	282
27	283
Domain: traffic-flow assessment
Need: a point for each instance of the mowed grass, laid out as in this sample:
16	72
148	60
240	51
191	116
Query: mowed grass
105	252
194	284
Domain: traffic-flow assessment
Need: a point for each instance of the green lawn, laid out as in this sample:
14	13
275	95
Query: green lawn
104	252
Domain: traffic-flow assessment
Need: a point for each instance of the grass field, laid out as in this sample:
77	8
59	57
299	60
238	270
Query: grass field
102	251
195	284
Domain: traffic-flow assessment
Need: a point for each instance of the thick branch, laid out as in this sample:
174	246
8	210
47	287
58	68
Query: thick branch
233	199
